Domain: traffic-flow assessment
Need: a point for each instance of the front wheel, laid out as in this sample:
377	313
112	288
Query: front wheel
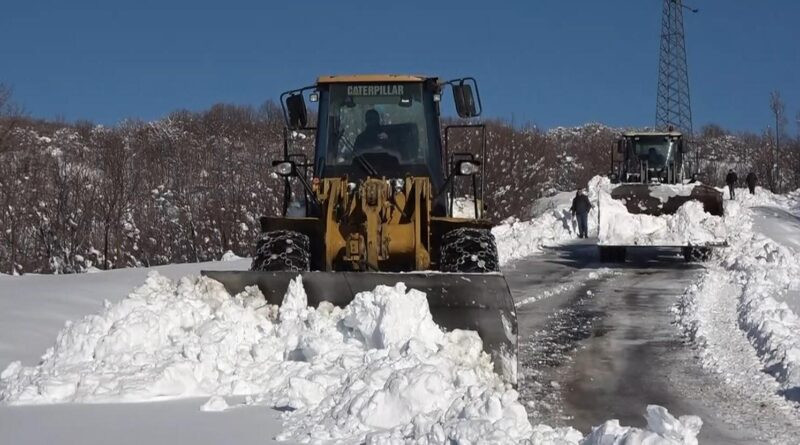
282	250
469	250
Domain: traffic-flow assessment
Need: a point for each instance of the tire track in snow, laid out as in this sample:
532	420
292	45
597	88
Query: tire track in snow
569	286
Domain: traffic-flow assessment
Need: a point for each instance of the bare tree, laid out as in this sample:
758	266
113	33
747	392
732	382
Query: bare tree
10	115
779	111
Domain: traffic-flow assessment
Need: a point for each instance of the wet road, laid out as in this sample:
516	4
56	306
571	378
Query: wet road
598	343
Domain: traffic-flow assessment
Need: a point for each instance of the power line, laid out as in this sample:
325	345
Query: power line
673	104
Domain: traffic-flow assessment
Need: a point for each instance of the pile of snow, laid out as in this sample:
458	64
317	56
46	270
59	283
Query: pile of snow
230	256
764	272
755	276
379	370
551	224
662	429
689	225
763	197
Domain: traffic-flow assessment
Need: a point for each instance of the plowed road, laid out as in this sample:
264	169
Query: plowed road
598	341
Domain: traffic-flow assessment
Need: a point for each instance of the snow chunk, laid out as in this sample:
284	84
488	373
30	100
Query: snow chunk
230	256
662	429
391	317
215	404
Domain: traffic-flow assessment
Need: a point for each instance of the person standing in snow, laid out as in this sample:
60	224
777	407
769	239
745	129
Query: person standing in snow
731	180
751	182
580	208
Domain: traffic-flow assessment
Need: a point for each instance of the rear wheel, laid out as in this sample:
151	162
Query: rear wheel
469	250
282	250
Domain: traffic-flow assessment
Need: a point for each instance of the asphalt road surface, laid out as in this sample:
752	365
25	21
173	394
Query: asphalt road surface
597	342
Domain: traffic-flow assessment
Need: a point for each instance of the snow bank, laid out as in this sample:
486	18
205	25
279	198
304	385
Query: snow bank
551	224
765	270
763	197
518	239
689	225
753	275
379	370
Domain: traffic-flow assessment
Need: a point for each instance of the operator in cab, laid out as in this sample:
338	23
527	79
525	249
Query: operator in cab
373	134
654	158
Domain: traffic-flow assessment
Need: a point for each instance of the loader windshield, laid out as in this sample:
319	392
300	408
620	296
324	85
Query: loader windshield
389	127
657	152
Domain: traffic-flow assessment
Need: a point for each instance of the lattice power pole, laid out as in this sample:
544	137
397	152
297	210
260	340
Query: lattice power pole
673	107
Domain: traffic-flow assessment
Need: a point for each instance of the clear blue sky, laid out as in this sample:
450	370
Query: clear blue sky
552	62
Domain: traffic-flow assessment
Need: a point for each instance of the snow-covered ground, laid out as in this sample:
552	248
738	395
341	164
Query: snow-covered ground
743	313
34	308
378	370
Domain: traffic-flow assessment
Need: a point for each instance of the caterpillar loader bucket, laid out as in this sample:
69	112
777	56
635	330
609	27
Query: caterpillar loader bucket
647	198
479	301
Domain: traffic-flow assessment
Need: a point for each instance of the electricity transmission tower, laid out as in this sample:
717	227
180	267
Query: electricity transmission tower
673	107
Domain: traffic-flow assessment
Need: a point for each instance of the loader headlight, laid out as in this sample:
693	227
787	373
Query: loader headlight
285	168
467	168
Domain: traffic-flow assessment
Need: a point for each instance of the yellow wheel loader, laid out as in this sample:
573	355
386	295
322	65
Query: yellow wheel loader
375	206
650	178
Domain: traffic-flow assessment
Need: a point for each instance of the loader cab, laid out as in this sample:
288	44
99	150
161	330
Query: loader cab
650	158
386	126
389	126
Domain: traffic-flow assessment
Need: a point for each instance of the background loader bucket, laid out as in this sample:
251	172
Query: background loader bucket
477	302
644	198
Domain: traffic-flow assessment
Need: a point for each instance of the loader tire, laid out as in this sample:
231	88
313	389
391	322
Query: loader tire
696	254
469	250
282	250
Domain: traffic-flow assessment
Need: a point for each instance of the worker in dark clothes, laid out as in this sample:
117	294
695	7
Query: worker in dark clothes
731	180
580	209
373	134
751	180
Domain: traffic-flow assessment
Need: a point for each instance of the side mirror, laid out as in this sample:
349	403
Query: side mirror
468	168
298	117
284	168
465	100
